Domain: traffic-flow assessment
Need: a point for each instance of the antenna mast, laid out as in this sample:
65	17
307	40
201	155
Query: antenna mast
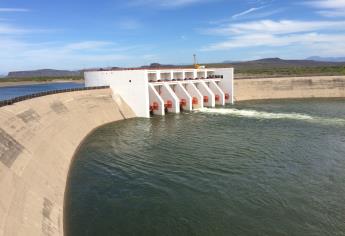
196	66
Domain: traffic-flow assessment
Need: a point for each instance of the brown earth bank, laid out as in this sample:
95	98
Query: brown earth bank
290	87
38	139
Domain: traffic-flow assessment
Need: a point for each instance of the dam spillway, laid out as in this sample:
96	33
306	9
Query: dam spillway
158	91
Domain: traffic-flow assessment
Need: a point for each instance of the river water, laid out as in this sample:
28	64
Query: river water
257	168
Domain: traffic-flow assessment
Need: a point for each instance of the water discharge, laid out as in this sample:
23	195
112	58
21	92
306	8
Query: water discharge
270	116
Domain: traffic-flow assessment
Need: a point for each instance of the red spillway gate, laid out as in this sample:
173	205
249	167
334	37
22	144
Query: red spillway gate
227	96
169	104
155	106
195	101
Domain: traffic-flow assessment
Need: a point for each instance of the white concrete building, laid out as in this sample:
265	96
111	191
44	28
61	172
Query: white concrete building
158	91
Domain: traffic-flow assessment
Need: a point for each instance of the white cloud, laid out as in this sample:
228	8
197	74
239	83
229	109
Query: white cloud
269	40
329	4
249	15
87	45
13	10
275	27
129	24
166	3
333	13
10	29
16	54
317	37
329	8
253	9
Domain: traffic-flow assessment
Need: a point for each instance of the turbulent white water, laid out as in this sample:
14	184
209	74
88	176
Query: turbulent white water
268	115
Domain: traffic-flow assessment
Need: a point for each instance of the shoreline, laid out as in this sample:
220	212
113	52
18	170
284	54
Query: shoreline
19	83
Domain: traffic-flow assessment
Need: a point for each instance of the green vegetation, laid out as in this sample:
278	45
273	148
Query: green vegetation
290	71
276	67
41	79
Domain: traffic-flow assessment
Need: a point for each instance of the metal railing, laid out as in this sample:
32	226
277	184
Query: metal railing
45	93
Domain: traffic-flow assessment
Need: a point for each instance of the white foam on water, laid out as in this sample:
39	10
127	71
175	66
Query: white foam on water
271	116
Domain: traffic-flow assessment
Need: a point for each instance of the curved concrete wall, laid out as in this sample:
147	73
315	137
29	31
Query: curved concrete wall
38	139
292	87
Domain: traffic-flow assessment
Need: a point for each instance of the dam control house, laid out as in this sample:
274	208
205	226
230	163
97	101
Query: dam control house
158	91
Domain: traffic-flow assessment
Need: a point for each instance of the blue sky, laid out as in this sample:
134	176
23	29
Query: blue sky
77	34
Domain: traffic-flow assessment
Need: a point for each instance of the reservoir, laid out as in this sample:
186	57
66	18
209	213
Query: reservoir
256	168
21	90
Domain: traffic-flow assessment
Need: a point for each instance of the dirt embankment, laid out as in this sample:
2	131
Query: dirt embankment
290	87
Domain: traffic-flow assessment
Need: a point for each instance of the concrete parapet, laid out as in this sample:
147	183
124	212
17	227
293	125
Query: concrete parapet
38	138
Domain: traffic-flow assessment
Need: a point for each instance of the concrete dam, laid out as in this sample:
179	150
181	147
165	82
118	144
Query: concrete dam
38	139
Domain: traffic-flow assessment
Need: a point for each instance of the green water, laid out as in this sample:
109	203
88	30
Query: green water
257	168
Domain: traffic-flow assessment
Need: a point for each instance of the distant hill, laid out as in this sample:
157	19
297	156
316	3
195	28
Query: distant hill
281	63
272	67
328	59
43	73
274	63
229	61
160	66
266	63
275	67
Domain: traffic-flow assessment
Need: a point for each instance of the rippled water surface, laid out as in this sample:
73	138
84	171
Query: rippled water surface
257	168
